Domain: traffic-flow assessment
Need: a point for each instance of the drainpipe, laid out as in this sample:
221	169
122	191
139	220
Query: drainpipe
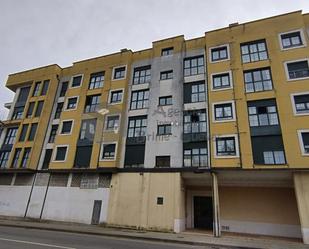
216	207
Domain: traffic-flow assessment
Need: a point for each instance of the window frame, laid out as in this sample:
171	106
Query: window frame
52	136
198	93
251	71
258	52
141	127
165	98
301	35
106	122
71	81
95	75
167	73
235	136
287	70
29	138
224	120
167	51
8	136
67	101
16	158
31	104
29	150
110	96
61	127
139	70
45	89
37	90
218	47
4	161
267	113
102	151
36	114
192	155
292	95
191	67
301	142
190	124
55	153
165	129
137	100
161	156
117	67
89	108
213	88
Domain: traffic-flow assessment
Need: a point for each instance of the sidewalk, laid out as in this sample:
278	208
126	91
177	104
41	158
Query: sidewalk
190	238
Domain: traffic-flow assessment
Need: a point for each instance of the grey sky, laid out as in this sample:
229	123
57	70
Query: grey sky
41	32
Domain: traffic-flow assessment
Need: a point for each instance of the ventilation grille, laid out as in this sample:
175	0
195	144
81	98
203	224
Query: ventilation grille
105	180
76	179
59	180
89	181
41	179
24	180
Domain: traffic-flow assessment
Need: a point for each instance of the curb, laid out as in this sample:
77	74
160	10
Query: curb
132	237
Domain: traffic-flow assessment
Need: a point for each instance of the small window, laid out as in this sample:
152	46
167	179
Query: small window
76	81
116	96
92	103
23	133
298	69
166	100
166	75
61	152
25	159
304	141
226	146
10	136
167	51
159	200
36	90
53	134
72	103
165	129
142	75
45	87
195	157
221	81
112	123
223	112
66	127
39	109
219	53
87	130
96	80
64	88
18	112
30	109
4	158
16	158
291	40
198	93
258	80
119	73
194	66
139	99
163	161
301	103
253	51
274	157
58	110
108	152
137	126
32	132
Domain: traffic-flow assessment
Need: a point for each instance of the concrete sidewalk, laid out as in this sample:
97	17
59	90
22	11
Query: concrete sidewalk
191	238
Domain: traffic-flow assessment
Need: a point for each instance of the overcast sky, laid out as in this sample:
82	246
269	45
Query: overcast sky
35	33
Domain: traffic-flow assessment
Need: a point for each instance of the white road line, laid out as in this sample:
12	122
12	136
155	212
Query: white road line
35	243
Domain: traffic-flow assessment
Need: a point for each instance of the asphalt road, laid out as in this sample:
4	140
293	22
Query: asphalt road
25	238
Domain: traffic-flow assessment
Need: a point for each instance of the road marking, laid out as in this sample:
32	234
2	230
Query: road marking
35	243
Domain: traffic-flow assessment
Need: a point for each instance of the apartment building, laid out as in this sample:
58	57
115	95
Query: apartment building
210	133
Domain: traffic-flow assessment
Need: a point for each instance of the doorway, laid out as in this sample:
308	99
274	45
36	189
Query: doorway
96	212
203	212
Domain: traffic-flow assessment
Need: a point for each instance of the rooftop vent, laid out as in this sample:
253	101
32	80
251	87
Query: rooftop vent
123	50
233	24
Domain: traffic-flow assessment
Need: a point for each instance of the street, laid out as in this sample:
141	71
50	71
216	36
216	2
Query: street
13	238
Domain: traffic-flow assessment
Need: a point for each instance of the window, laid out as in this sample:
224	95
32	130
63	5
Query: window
72	103
32	132
225	146
301	103
297	69
167	51
198	93
224	111
137	126
108	152
4	158
253	51
25	158
64	88
30	109
116	96
23	94
47	158
194	66
10	136
36	90
165	129
195	122
166	100
139	99
76	81
87	130
112	123
18	112
39	108
119	73
61	153
45	87
274	157
163	161
66	127
53	134
96	80
23	133
141	75
219	53
303	136
58	110
16	158
92	103
221	80
160	200
195	157
258	80
166	75
263	115
291	40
